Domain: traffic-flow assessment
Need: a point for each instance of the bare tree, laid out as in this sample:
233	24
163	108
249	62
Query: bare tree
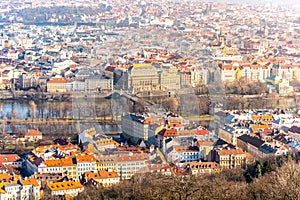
32	109
3	124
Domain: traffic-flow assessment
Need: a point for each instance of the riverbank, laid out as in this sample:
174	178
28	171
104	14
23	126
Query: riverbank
49	96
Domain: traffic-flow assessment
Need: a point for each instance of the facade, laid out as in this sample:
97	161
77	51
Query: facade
19	189
75	85
228	158
69	168
33	135
85	163
130	163
103	177
140	77
198	168
248	71
50	166
73	168
182	154
106	163
98	83
169	81
256	73
28	80
12	160
57	85
185	79
204	148
136	126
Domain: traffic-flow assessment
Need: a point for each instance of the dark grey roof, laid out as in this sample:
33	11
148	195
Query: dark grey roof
251	140
267	149
295	129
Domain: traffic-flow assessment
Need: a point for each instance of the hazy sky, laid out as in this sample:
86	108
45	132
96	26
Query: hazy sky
280	2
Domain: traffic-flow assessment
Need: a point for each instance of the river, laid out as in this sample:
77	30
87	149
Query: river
92	109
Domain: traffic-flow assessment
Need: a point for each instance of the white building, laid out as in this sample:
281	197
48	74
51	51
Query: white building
85	163
182	154
131	163
10	160
20	189
136	126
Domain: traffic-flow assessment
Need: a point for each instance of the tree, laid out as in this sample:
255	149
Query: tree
284	183
171	104
3	124
33	109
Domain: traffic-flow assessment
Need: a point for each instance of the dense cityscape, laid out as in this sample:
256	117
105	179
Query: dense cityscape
149	99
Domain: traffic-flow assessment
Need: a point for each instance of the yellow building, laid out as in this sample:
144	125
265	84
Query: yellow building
229	51
203	167
204	148
141	75
237	73
57	85
264	119
106	163
69	168
104	143
296	72
169	81
230	158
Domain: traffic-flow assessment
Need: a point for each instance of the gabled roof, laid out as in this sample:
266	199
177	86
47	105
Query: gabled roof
229	118
29	181
294	129
251	140
225	152
68	185
33	132
220	142
267	149
85	158
9	158
110	68
101	174
57	80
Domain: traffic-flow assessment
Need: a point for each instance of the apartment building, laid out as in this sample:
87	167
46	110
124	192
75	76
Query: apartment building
85	163
103	177
72	188
228	157
183	154
57	85
141	76
14	187
130	163
136	127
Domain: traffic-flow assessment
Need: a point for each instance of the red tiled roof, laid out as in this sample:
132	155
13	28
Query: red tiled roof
202	132
33	132
168	132
57	80
9	158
